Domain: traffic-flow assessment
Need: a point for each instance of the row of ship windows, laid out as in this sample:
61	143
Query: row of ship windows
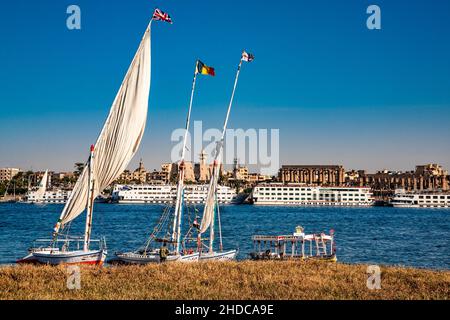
426	197
434	197
50	197
320	198
166	190
189	192
308	199
305	194
305	189
170	198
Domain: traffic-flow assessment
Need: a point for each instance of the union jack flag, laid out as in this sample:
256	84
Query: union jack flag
161	16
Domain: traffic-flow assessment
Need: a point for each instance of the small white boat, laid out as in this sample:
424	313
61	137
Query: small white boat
92	257
56	256
296	246
403	199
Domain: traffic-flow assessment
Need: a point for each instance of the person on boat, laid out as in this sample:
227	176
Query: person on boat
196	224
163	253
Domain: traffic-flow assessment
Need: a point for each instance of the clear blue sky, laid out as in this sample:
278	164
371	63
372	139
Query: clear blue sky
338	92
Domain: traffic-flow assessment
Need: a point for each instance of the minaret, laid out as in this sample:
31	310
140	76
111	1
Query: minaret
204	171
235	168
141	172
203	156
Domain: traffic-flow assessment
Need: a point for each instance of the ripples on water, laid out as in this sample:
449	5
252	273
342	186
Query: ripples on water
411	237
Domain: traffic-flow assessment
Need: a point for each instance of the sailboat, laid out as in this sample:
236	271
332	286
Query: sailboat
38	195
211	209
147	254
116	145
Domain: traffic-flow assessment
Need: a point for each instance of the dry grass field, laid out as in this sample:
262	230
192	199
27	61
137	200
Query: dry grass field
235	280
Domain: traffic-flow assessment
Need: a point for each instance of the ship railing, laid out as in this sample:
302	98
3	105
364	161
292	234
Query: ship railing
66	243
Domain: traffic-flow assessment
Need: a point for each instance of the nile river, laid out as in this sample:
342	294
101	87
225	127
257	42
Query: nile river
375	235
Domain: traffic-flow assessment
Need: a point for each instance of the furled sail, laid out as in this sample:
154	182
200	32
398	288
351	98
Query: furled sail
210	202
42	186
208	211
121	135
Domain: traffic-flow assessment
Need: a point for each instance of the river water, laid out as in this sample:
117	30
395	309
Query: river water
375	235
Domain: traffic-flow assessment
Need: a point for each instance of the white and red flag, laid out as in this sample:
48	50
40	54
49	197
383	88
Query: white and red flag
158	15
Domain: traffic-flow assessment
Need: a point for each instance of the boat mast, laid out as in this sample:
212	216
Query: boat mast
176	234
90	203
219	149
220	227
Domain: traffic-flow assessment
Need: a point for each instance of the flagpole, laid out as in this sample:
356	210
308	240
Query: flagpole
176	234
219	149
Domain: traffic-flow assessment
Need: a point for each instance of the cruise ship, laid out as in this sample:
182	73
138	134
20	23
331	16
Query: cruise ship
49	196
302	195
402	199
158	194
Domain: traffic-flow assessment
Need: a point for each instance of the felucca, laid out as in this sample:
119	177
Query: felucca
116	145
171	225
211	209
40	192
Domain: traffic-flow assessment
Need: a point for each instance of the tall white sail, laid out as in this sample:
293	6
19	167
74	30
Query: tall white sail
121	135
42	186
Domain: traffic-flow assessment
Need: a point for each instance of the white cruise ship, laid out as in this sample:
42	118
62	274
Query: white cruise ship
154	194
301	195
49	196
401	199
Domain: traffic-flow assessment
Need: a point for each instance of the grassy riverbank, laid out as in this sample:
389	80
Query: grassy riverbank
236	280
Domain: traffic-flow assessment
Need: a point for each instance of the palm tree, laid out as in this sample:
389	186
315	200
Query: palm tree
79	166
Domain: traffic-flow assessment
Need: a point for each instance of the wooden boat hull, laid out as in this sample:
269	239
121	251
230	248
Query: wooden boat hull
194	257
135	258
219	256
91	257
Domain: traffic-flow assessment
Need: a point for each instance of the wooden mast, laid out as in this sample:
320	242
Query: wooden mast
176	234
90	203
218	154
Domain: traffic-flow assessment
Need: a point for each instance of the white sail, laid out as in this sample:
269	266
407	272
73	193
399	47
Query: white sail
208	211
42	186
120	136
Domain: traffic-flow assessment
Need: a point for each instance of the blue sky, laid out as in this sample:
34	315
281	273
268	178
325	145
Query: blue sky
338	92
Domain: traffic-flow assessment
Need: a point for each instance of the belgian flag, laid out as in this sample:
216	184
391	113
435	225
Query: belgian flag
204	69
